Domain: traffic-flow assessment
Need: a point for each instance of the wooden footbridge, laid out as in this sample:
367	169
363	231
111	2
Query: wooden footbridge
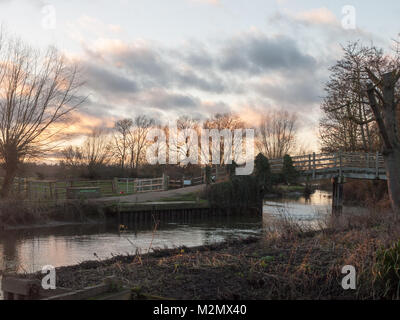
353	165
336	167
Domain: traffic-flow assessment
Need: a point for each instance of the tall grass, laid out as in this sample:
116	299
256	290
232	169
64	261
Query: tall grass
368	241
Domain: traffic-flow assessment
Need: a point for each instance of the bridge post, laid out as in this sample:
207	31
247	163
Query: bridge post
337	195
314	166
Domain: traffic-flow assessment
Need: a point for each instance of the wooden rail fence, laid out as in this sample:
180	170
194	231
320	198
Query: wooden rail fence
45	190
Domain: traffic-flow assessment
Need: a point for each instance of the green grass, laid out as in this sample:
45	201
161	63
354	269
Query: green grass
184	197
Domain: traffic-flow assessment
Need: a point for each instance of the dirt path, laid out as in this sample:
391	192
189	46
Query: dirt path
154	196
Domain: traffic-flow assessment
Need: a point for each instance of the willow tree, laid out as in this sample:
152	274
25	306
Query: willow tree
37	91
371	82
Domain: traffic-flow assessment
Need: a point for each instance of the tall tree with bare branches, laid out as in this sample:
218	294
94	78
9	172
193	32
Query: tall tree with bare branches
346	124
137	139
276	134
37	91
96	151
377	89
121	140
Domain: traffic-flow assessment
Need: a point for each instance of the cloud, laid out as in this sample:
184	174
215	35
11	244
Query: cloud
318	16
211	2
247	73
144	77
103	80
152	67
255	54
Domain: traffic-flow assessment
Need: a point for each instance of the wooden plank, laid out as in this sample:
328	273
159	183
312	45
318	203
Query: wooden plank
24	287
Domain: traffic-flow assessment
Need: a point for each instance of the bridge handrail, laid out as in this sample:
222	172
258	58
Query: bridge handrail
313	163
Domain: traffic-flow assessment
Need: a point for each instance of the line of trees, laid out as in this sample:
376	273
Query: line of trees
125	146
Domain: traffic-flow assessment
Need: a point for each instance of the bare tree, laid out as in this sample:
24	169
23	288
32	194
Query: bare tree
72	160
221	122
72	156
137	139
276	134
345	125
185	144
96	151
37	91
121	140
380	75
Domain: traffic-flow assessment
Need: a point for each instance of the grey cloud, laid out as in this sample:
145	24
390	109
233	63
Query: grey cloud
166	101
159	79
153	69
190	79
257	54
296	93
105	81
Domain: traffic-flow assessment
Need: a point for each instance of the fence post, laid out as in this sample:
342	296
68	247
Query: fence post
115	185
314	166
165	182
377	165
340	164
19	185
28	190
51	190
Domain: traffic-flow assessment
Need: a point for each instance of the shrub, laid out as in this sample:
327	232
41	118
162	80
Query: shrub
289	173
387	270
263	172
240	192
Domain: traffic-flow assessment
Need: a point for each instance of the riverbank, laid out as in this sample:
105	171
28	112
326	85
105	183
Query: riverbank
294	264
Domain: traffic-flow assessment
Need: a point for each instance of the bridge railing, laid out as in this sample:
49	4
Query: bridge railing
312	164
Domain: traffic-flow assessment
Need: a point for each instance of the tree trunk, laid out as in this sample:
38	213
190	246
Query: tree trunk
386	119
11	171
392	164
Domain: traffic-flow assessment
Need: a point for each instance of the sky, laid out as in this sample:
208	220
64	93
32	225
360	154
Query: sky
167	58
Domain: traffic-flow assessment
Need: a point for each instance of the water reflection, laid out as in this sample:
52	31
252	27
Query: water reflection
29	250
310	210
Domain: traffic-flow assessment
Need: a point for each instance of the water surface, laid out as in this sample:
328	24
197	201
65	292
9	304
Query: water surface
29	250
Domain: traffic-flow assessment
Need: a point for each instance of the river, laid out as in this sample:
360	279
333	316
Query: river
29	250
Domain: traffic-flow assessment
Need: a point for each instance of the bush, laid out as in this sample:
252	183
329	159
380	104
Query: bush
387	271
240	192
289	173
263	172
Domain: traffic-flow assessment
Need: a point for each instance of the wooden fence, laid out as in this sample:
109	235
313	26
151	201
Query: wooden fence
57	190
180	183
